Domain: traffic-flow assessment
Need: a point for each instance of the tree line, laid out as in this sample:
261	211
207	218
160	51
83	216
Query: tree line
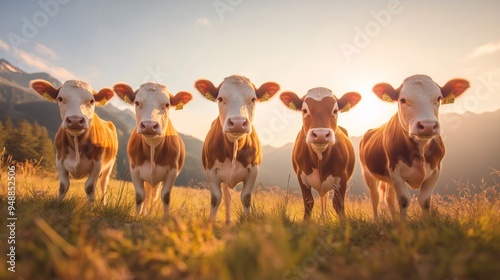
26	141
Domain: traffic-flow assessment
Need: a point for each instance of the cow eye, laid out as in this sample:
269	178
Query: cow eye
402	101
254	99
219	99
59	99
167	105
335	111
304	111
92	102
440	98
136	103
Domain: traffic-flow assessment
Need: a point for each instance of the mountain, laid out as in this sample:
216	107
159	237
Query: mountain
18	101
471	151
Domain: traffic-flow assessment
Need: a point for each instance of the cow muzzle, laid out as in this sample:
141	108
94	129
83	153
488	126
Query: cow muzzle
149	128
425	129
236	127
75	124
320	139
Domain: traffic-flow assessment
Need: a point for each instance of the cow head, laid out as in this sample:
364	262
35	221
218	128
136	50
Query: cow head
320	109
419	98
76	101
152	104
236	97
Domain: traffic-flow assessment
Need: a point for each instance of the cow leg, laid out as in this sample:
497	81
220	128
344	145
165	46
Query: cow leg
168	184
323	200
308	199
374	194
104	180
390	199
402	193
148	189
426	190
214	185
140	192
339	198
154	194
63	182
246	192
226	194
91	182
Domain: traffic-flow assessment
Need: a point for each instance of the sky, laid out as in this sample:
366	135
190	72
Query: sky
341	45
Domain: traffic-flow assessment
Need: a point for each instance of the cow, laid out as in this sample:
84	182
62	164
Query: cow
408	149
155	150
323	155
85	144
231	150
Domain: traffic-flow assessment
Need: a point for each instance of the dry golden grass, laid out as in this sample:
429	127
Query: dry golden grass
73	239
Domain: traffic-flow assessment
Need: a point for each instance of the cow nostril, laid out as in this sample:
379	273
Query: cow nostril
420	126
68	121
314	134
82	121
231	123
143	126
436	125
245	123
327	134
155	127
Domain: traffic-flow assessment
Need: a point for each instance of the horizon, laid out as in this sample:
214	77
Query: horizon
342	46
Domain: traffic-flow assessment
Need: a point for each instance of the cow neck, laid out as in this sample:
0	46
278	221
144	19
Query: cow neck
396	137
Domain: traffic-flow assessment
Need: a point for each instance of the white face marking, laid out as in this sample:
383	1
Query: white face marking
319	93
418	106
152	103
313	181
76	100
236	100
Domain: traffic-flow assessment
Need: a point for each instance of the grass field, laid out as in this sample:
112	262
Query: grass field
75	240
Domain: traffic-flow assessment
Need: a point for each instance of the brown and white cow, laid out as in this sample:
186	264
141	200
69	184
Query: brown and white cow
155	151
85	144
323	156
408	149
231	151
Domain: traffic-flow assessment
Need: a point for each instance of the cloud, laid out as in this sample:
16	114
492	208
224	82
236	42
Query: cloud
203	21
484	49
4	46
46	51
42	65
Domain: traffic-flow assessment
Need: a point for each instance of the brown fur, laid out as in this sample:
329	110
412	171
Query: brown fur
218	147
382	148
338	159
170	152
98	142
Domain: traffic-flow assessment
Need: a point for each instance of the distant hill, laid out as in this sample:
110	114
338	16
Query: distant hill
18	101
471	150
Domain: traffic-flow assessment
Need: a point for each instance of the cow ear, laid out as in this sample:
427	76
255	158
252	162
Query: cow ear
45	89
266	91
180	99
348	100
386	92
125	92
291	100
103	96
453	89
207	89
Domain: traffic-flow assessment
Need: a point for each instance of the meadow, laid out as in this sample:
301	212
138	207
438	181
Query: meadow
73	239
